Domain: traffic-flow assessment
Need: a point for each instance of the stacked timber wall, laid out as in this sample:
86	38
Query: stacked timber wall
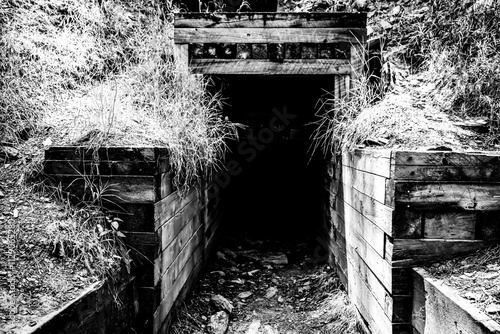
438	309
170	235
389	211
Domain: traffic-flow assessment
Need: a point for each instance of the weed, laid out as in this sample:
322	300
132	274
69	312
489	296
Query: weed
336	130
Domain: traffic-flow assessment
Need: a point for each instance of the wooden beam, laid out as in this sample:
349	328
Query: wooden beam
439	309
411	252
450	225
270	67
465	196
372	185
376	212
114	189
377	162
268	35
105	153
446	158
269	20
488	173
181	57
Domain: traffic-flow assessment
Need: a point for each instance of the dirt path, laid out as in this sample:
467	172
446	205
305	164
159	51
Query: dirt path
274	287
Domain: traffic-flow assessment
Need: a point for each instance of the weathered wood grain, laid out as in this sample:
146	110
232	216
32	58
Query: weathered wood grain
370	309
402	281
488	225
359	268
357	57
439	309
169	231
407	223
146	243
103	167
377	264
445	158
270	67
369	184
105	153
197	255
136	217
176	256
167	207
269	20
463	196
373	210
487	173
113	189
181	57
377	162
426	251
450	225
268	35
369	232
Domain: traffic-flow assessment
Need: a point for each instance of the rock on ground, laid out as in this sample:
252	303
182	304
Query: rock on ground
218	323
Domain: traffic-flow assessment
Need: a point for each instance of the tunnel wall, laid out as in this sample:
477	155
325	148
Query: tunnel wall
389	211
170	234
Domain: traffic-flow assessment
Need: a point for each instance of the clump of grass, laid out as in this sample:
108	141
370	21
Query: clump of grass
151	102
336	130
456	42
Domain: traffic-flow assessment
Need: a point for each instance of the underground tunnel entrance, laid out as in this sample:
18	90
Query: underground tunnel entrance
274	184
269	267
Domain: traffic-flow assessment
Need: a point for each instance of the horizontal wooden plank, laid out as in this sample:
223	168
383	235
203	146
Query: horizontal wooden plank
103	167
401	281
268	35
269	20
368	231
369	184
105	153
146	243
359	268
450	225
176	224
169	253
113	189
136	217
375	211
485	197
407	223
445	312
270	67
170	205
185	252
413	252
380	267
172	288
363	299
372	161
445	158
487	173
488	225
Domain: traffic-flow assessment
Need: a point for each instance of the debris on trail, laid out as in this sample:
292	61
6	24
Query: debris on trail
300	295
218	323
222	304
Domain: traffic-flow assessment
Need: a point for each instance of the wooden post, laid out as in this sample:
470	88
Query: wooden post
181	57
357	59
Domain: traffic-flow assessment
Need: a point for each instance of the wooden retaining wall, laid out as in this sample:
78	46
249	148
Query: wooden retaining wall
169	234
95	310
438	309
389	211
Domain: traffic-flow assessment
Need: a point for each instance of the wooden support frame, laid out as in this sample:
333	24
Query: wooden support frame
270	43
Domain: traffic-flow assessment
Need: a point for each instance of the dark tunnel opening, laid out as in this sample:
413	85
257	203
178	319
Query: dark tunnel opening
274	185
